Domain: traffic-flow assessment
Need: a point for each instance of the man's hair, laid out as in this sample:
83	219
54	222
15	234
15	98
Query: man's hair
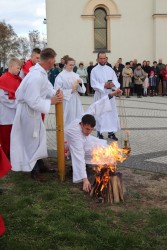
14	60
47	53
88	120
100	52
36	50
127	63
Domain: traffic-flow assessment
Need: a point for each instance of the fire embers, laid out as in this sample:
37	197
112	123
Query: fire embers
107	186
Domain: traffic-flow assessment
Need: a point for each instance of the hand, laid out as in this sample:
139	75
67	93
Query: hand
57	98
117	92
79	80
86	185
74	89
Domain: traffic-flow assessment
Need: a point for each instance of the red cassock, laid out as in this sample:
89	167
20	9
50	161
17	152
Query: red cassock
9	83
26	67
2	226
5	167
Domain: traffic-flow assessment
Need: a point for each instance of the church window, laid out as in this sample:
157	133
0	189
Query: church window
100	29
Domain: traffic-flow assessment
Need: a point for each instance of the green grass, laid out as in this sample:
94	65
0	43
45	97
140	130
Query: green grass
59	216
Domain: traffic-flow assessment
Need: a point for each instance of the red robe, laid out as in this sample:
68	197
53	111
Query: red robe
9	83
5	167
2	226
26	67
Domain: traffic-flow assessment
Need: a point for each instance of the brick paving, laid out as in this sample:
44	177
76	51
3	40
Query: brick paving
146	120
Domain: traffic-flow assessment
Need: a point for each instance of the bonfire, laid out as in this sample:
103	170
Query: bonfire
108	186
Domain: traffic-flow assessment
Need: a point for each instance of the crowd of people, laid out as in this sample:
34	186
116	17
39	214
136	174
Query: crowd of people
142	79
28	89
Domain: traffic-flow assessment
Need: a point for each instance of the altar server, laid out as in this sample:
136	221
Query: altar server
34	96
80	141
35	56
70	83
9	82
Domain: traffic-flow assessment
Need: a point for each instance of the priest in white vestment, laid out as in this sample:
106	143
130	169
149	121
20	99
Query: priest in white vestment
70	83
80	141
34	96
103	80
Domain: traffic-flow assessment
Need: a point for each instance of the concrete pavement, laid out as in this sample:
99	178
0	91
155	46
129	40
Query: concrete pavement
146	120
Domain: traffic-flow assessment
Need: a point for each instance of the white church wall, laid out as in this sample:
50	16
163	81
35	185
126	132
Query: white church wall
133	34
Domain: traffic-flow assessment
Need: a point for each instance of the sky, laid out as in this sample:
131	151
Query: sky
24	15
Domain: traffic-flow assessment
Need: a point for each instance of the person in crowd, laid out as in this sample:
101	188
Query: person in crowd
148	68
156	75
117	70
107	63
132	85
161	67
34	96
9	82
139	77
35	55
52	74
103	80
134	64
144	65
127	74
89	69
79	140
71	84
152	83
61	64
164	81
82	72
121	66
145	85
75	67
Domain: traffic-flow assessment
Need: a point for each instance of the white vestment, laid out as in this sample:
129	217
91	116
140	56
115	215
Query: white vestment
7	108
108	122
28	135
72	105
79	144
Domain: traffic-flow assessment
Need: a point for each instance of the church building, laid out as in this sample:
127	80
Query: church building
129	29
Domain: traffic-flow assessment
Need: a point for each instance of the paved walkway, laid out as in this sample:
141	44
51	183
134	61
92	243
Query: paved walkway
147	124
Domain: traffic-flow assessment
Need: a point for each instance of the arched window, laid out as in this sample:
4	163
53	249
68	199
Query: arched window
100	29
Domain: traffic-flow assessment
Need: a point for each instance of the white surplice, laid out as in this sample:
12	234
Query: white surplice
108	122
7	108
72	104
28	135
80	145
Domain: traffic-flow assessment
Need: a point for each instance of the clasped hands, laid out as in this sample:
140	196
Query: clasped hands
108	85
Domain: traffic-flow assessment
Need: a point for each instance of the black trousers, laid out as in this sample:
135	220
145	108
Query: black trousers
139	89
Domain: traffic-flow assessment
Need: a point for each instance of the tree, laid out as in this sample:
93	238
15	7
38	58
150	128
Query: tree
8	42
34	38
24	46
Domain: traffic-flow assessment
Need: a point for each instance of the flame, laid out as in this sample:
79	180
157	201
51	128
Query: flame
108	155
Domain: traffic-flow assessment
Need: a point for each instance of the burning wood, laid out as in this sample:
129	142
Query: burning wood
107	186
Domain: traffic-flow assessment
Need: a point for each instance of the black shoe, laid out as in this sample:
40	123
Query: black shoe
35	176
112	136
43	168
100	136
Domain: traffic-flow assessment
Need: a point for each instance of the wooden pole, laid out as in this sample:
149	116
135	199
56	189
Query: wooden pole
60	140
